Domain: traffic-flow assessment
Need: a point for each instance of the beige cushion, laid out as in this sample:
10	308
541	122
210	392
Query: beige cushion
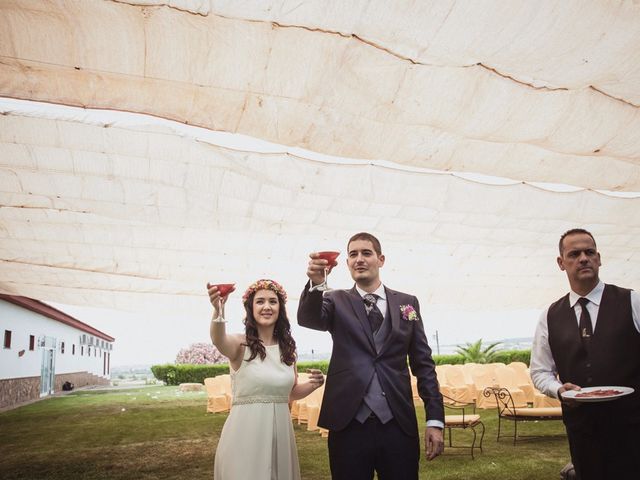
537	412
460	420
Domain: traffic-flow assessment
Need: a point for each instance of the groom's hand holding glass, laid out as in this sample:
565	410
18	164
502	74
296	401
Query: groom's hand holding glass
320	265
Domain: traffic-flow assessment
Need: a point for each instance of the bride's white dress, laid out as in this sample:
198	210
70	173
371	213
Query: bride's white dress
257	441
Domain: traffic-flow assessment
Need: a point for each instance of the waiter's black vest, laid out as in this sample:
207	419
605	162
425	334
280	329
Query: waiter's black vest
614	357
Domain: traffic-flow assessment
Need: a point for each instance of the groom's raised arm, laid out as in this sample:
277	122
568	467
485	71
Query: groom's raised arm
313	311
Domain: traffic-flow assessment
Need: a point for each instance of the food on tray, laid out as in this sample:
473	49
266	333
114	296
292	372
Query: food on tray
599	393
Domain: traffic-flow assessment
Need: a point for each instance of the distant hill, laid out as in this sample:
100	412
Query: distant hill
131	369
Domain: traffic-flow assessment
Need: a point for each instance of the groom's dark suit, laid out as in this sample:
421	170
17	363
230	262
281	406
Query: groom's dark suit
354	358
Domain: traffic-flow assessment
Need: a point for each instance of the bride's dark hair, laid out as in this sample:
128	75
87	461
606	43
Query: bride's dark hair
281	332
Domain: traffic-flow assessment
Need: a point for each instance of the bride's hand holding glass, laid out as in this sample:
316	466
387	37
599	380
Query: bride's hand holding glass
218	295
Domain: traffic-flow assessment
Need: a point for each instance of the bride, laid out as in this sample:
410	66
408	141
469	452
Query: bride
257	440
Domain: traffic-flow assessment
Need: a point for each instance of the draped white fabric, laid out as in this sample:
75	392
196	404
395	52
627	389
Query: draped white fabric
128	212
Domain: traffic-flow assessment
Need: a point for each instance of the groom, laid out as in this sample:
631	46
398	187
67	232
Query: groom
368	404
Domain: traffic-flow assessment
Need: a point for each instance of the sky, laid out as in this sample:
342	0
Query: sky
146	339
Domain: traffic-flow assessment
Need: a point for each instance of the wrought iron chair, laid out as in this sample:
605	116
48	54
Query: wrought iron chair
508	411
462	421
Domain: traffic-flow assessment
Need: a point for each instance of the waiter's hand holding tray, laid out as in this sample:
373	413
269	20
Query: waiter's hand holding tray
597	394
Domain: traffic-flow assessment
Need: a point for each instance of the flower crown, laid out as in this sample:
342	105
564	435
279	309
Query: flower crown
265	284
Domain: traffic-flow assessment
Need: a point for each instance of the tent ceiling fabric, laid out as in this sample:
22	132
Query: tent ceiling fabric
121	216
129	214
523	91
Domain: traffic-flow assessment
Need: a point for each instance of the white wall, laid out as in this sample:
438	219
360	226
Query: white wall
23	323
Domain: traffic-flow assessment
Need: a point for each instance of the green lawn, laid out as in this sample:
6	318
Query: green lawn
160	433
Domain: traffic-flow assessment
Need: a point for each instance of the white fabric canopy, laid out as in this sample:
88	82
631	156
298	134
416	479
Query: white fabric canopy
125	211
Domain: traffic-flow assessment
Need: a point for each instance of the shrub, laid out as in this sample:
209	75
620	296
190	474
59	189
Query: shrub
322	365
175	374
508	356
503	356
453	359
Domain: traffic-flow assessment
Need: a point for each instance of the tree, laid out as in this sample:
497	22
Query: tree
474	353
200	354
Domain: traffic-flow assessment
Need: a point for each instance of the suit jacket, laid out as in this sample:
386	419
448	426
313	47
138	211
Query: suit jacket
354	358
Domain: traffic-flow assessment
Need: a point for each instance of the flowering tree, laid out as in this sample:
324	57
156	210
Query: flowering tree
200	354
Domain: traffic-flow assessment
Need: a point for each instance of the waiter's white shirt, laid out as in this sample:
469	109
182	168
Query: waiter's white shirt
543	368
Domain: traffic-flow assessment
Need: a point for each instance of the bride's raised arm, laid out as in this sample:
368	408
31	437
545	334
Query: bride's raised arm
231	346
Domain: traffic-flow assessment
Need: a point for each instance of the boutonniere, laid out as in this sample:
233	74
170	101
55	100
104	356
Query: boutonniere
408	313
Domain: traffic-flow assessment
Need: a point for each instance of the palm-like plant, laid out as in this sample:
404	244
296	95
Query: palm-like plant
474	353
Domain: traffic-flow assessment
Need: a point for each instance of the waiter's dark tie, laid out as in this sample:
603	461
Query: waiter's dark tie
373	312
585	320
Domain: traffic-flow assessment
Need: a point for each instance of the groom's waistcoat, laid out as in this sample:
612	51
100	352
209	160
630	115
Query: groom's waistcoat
375	399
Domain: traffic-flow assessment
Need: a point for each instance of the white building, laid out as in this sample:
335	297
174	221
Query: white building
44	348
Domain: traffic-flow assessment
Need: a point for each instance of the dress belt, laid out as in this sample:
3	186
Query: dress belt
260	399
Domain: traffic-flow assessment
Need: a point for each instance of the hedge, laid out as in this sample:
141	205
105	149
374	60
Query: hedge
501	356
175	374
172	374
319	364
453	359
508	356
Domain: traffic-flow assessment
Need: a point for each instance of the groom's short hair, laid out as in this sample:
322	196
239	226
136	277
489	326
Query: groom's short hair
366	236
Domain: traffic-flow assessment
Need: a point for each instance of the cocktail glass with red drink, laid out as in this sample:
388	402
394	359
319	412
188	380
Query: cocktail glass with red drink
329	256
225	289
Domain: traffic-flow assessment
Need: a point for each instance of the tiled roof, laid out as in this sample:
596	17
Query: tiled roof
55	314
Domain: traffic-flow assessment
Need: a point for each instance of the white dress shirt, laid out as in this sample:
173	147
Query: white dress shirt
543	368
381	301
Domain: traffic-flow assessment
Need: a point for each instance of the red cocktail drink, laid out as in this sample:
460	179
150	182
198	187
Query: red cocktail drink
329	256
224	288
